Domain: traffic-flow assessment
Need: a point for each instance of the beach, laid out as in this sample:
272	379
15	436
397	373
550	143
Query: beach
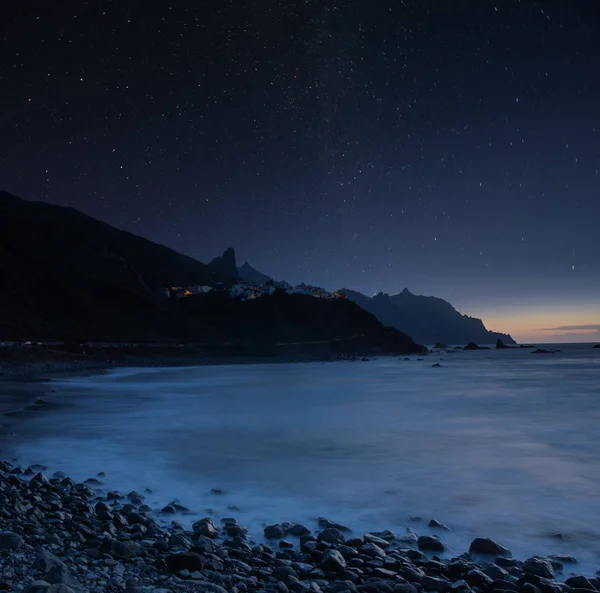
482	446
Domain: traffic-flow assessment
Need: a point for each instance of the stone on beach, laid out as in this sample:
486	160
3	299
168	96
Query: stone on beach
333	561
71	538
331	535
430	542
275	531
488	547
10	540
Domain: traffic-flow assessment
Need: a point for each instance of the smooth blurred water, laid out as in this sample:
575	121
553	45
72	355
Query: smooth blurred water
503	444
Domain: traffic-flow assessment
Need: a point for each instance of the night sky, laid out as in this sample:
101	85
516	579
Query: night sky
452	147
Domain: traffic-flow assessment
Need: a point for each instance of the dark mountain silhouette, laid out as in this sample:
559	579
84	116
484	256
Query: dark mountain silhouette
429	319
249	274
67	276
293	319
225	265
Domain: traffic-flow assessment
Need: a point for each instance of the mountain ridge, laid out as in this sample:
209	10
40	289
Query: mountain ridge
432	319
427	319
68	276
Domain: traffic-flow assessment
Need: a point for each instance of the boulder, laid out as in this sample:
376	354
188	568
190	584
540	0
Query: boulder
120	550
435	584
435	524
479	579
205	527
430	543
59	574
326	524
538	566
503	585
10	541
473	346
373	550
46	561
333	561
488	547
38	587
332	535
185	561
276	531
298	530
580	582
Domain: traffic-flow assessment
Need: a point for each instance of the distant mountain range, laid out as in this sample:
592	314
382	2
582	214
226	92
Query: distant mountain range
428	320
67	276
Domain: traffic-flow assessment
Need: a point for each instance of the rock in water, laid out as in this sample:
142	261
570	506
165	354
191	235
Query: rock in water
205	527
431	543
298	530
275	531
435	524
541	567
488	547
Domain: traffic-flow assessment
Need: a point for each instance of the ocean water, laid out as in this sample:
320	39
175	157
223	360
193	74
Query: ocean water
502	444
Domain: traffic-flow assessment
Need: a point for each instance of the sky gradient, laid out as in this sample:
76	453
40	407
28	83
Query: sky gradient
449	147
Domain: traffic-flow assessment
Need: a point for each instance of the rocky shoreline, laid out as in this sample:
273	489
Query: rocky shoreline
58	536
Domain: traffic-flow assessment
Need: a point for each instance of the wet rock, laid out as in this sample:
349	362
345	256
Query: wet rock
460	587
298	530
435	584
580	582
495	572
430	543
284	573
205	527
38	586
59	574
404	588
539	566
565	559
185	561
435	524
333	561
479	579
375	539
488	547
45	561
373	550
408	538
504	585
326	524
10	541
347	552
120	550
275	531
331	535
168	510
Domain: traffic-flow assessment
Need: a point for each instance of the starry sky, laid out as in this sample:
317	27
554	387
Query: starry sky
450	146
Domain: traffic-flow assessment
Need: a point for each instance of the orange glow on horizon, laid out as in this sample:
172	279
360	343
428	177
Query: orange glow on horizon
536	325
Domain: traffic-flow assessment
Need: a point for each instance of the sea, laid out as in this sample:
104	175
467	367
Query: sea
493	443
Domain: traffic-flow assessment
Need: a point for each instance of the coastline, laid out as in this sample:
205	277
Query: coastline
58	536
